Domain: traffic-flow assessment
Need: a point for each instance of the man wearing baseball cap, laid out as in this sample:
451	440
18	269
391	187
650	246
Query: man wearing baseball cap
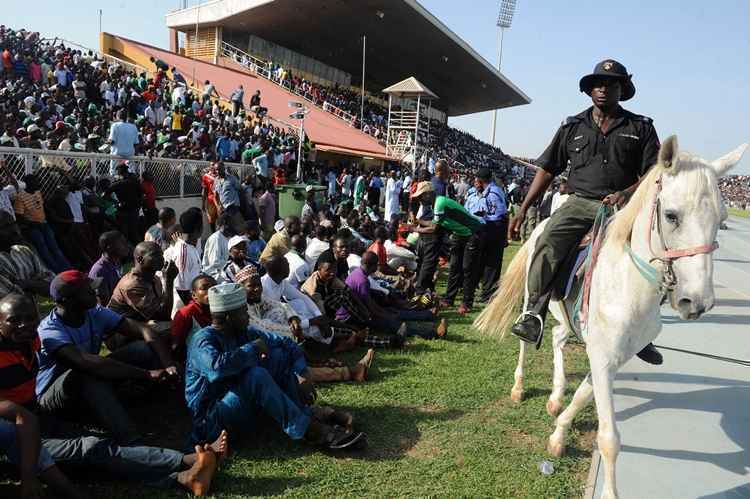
608	150
73	377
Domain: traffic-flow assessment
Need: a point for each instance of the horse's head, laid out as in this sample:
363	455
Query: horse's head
686	220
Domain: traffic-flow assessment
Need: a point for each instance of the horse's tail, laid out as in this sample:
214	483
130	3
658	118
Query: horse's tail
502	310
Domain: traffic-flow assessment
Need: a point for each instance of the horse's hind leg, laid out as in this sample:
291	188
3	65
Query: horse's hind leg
556	398
556	444
516	393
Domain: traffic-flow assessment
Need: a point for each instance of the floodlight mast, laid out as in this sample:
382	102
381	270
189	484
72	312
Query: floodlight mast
504	20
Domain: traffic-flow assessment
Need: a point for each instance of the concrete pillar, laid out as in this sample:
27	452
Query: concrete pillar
173	41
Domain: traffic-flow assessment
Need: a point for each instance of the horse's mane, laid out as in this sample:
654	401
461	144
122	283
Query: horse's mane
622	223
702	184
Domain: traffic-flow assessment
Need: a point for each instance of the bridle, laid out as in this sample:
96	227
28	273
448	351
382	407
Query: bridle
668	256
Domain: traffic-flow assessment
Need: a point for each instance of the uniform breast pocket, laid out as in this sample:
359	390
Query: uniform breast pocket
627	150
578	151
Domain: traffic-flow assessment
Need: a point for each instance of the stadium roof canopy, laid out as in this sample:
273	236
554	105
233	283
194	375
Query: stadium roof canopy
403	40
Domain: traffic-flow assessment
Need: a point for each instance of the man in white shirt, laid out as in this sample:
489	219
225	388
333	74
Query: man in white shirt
186	255
123	136
317	245
216	250
392	196
346	184
277	288
155	113
299	269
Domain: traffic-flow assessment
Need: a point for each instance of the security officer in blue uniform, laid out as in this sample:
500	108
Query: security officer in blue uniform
608	150
480	256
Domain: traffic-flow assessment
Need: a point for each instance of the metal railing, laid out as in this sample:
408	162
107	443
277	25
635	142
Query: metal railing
173	178
109	59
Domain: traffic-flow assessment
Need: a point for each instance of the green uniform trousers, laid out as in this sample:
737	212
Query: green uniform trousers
564	230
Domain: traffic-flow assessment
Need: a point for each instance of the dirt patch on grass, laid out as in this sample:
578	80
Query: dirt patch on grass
522	440
424	449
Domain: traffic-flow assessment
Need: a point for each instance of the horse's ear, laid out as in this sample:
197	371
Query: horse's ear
725	163
668	152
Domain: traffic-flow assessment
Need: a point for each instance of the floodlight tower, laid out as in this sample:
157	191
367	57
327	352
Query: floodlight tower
504	19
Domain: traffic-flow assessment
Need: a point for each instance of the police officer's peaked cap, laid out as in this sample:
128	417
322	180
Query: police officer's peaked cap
609	68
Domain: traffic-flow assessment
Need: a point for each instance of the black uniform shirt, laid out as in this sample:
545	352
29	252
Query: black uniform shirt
602	164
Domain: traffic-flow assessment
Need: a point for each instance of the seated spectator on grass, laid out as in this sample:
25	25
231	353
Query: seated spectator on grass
157	232
277	317
29	208
337	255
255	245
216	251
318	244
279	243
299	269
186	255
73	377
234	372
393	321
193	316
21	270
237	258
139	295
108	267
27	446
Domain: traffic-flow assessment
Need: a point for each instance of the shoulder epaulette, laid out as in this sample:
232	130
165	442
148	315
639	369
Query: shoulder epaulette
570	120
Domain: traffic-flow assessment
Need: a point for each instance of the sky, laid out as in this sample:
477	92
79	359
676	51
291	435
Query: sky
688	59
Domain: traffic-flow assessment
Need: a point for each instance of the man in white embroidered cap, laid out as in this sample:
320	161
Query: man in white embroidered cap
235	371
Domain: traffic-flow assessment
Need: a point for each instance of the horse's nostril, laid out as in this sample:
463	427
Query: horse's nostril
684	303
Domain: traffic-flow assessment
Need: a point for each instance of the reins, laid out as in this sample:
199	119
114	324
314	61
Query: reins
650	273
668	256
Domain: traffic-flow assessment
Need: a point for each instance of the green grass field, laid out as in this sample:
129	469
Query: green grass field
739	213
439	420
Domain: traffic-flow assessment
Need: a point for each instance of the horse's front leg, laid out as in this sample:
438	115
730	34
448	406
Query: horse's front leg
582	396
608	438
556	398
516	393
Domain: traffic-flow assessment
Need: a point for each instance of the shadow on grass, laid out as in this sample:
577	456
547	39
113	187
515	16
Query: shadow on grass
392	432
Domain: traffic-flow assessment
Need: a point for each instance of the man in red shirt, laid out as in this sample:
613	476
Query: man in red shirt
195	314
207	193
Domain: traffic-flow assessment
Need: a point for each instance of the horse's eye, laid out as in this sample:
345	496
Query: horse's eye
672	218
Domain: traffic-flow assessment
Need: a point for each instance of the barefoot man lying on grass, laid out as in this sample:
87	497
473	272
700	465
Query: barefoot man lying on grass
28	445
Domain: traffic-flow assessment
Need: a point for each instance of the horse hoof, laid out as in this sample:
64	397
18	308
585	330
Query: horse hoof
516	395
555	449
553	408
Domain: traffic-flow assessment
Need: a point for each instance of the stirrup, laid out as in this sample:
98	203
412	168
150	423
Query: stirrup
538	317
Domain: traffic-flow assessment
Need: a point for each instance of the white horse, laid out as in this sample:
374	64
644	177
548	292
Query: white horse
671	221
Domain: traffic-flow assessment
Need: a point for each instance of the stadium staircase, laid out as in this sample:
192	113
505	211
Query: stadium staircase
232	56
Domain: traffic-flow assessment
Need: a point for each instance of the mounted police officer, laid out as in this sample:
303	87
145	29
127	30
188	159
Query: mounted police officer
608	150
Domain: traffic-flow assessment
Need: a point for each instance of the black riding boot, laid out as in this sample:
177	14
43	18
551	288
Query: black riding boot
651	355
530	326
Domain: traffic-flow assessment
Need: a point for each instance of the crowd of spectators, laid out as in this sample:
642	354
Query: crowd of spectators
56	97
239	311
443	141
735	189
